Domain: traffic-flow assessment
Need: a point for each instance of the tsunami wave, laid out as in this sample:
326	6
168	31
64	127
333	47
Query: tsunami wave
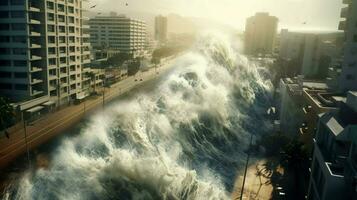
184	139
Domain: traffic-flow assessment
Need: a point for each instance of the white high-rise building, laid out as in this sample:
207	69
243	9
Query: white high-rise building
43	50
348	77
118	32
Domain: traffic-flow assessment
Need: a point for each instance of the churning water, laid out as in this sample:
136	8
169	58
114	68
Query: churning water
184	139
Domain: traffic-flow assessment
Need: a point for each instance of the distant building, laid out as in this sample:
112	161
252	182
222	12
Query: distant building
44	50
334	164
313	53
348	77
121	33
260	33
161	28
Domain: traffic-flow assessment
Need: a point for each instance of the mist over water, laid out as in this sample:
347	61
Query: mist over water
184	139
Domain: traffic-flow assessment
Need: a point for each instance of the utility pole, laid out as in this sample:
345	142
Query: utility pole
26	142
246	167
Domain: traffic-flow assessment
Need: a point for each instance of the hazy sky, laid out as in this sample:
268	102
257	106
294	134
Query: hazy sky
319	14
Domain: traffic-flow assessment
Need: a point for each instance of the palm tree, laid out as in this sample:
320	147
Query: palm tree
6	115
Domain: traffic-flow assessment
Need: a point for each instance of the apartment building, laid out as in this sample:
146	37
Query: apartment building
260	34
161	28
118	32
44	49
348	76
334	166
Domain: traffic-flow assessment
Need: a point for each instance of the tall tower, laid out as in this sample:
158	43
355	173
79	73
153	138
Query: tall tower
161	28
43	49
348	77
260	33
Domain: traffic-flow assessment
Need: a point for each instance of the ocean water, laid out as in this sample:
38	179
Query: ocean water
184	138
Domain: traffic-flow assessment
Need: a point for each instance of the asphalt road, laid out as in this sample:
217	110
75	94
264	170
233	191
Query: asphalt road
55	123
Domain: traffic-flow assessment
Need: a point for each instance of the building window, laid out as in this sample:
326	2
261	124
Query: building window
5	86
4	63
62	49
50	5
62	29
17	2
20	63
62	39
5	74
21	87
5	51
4	14
17	14
4	38
70	9
3	3
18	27
51	28
50	17
20	75
51	39
52	61
60	8
19	39
52	51
19	51
61	18
4	27
71	20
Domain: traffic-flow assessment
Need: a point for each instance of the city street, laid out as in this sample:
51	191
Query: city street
55	123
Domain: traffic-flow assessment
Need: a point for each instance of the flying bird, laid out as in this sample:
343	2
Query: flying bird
93	6
304	23
126	4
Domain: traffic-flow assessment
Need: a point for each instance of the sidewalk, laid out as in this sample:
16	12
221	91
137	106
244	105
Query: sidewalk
52	124
257	185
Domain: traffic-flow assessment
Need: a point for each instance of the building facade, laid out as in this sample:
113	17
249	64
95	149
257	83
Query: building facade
161	28
43	50
118	32
260	34
348	77
334	168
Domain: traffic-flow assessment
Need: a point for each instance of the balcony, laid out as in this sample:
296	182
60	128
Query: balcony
36	69
342	26
344	12
34	33
34	21
32	8
52	77
36	81
33	45
34	57
36	92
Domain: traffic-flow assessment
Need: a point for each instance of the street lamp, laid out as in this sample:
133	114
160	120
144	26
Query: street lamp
246	167
25	133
